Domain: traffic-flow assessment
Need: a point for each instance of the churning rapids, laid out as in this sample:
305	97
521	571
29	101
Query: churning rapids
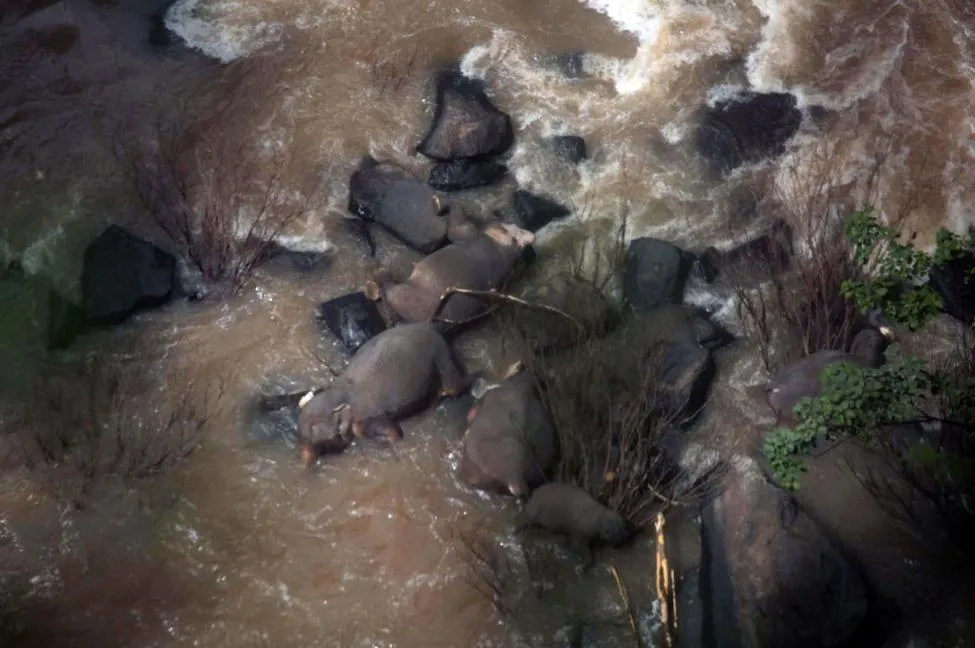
238	546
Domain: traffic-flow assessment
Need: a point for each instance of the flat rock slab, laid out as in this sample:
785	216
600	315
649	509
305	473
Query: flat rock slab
352	319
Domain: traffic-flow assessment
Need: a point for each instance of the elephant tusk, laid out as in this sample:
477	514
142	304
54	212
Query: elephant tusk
514	369
887	333
304	399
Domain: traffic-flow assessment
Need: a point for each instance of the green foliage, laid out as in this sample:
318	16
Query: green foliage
853	401
897	269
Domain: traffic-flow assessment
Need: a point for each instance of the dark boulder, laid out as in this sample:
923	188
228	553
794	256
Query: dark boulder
774	578
123	274
955	282
655	273
465	174
352	319
755	260
532	212
747	128
466	123
405	206
570	148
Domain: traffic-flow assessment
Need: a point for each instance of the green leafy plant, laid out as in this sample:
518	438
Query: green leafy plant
853	402
895	271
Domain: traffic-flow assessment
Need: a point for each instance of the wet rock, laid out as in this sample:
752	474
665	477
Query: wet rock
466	123
405	206
747	128
671	343
532	212
37	311
123	274
571	65
570	148
577	297
655	273
684	375
352	318
159	35
774	578
465	174
753	261
955	282
279	255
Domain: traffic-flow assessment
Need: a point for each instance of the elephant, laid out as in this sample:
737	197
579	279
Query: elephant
413	211
572	512
481	262
510	446
802	378
392	376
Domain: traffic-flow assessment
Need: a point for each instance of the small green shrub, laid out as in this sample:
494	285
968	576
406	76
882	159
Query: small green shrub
896	270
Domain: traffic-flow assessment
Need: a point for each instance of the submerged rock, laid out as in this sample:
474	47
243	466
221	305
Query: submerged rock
352	318
955	282
466	123
404	205
655	273
123	274
532	212
465	174
753	261
746	128
774	577
570	148
571	65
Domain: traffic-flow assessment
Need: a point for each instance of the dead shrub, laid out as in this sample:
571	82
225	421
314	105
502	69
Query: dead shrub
616	428
788	290
488	568
108	417
214	187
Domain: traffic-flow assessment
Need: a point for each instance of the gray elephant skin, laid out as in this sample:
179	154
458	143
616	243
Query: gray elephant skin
392	376
570	511
482	262
802	378
511	445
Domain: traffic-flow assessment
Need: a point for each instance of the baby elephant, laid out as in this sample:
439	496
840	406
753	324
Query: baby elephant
572	512
511	444
393	375
481	262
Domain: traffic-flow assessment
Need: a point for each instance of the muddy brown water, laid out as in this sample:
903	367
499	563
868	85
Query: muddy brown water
238	547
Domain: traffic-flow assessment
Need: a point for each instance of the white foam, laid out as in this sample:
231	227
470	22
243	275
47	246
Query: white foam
219	29
637	17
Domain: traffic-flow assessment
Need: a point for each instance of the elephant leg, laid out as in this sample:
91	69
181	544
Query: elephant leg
580	547
381	427
452	381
